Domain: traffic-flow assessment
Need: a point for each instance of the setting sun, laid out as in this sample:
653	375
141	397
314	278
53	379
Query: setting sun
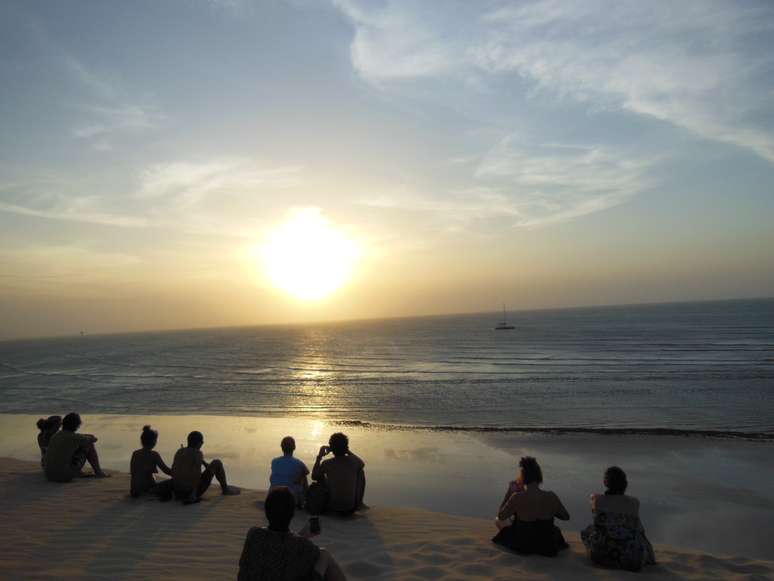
307	257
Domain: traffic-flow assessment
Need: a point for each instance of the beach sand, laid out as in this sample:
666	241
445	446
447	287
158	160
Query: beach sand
92	529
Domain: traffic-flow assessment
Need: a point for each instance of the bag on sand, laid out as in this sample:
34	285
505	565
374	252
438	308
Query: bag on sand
317	498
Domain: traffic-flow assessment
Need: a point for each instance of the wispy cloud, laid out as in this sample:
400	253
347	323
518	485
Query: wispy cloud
215	196
555	183
531	185
107	110
391	43
55	199
190	182
702	66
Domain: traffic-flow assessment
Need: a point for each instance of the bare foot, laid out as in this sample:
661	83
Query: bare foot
231	491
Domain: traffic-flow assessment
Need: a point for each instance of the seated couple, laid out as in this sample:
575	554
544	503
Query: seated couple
615	540
191	474
339	481
64	453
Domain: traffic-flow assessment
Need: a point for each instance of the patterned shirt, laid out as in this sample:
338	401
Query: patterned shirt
272	556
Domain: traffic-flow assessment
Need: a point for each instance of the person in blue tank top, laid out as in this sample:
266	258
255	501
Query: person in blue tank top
289	471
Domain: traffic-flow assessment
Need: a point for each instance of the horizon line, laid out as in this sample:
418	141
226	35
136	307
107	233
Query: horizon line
374	319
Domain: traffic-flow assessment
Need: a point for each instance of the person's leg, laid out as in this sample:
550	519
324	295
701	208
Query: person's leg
220	473
93	459
328	568
216	470
205	480
361	485
163	490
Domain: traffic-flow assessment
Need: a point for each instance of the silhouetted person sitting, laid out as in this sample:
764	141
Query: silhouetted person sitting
532	529
289	471
617	538
68	452
343	475
145	463
48	427
190	482
275	553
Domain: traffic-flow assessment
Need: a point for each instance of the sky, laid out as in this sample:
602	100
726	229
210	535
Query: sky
533	153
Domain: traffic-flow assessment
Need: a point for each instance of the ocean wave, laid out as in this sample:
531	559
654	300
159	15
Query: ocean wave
766	436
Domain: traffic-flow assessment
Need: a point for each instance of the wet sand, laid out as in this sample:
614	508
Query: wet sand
697	494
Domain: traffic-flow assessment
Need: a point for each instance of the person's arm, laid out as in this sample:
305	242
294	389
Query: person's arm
358	458
244	560
87	439
317	471
505	498
560	512
162	466
509	508
302	473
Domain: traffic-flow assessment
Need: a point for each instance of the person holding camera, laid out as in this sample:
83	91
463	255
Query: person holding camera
343	475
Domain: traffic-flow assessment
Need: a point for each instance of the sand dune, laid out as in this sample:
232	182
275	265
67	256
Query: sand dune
91	529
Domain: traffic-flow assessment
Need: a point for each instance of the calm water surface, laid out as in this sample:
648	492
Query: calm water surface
691	366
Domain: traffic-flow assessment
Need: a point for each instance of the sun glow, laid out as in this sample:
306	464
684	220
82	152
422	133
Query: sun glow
307	257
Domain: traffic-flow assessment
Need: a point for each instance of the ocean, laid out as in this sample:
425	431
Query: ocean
683	367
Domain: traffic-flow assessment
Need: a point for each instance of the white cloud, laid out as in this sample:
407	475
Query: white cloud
220	196
190	182
75	210
703	66
391	43
108	110
531	185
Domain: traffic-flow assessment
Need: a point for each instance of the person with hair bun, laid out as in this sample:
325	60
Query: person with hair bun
48	427
617	538
145	463
526	519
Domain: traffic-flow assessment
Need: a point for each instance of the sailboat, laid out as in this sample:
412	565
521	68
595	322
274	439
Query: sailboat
503	325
